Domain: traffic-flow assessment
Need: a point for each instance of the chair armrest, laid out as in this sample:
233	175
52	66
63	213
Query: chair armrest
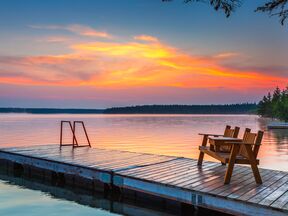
239	143
204	134
250	144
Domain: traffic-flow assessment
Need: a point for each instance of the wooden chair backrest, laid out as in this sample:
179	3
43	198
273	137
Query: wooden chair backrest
251	138
227	128
258	143
242	150
231	132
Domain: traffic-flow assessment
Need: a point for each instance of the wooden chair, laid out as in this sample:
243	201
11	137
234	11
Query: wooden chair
244	152
227	133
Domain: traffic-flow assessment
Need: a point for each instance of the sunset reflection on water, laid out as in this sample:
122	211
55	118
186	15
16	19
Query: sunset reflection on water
175	135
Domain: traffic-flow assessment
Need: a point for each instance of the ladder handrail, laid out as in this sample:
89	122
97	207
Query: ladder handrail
84	128
73	134
73	130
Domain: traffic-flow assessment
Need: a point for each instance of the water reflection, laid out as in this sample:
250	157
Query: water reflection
20	195
175	135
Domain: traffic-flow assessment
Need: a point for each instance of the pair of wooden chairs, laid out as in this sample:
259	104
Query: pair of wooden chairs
231	150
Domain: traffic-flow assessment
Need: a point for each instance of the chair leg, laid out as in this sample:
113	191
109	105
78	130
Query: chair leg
229	171
201	154
200	159
253	163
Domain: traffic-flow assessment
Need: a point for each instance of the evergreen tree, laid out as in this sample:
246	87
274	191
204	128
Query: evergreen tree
275	106
276	103
283	105
262	106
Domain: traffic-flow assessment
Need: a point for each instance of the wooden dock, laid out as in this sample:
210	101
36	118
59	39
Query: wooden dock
173	178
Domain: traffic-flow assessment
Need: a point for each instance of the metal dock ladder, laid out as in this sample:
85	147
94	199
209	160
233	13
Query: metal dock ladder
72	127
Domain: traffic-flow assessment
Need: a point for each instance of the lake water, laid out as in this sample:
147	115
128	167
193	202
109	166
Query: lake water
175	135
16	200
20	196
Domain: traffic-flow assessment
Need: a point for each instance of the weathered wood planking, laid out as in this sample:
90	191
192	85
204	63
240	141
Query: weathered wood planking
92	158
169	177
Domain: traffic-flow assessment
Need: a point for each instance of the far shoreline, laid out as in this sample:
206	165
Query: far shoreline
245	108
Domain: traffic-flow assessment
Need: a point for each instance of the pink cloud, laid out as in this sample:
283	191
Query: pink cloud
55	39
225	55
76	29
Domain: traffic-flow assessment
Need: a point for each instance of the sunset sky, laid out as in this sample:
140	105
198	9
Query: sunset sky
103	53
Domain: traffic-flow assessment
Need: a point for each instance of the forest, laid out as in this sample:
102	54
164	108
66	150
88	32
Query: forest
275	105
49	110
244	108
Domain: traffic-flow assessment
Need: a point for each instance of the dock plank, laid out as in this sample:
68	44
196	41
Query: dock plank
281	201
268	200
195	174
242	183
154	168
138	170
269	190
251	189
177	167
211	183
285	207
166	176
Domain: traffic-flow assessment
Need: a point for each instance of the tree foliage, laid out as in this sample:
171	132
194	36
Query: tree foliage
185	109
277	8
275	105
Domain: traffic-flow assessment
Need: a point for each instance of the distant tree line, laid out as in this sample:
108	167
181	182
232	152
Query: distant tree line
275	105
244	108
50	111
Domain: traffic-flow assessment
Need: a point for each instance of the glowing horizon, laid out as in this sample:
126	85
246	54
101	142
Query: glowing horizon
97	60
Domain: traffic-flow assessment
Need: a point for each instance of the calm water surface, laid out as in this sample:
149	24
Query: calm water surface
175	135
16	200
20	196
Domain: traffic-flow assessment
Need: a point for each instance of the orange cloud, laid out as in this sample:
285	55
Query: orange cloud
131	64
130	50
146	38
